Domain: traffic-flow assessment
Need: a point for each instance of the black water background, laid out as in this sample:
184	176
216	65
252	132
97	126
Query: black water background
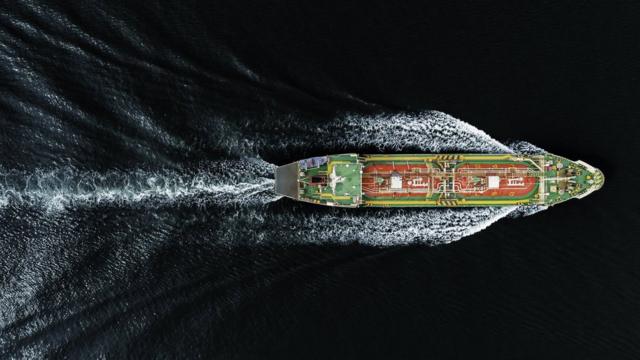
175	84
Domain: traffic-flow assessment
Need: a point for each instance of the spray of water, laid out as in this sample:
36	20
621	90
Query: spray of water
230	182
428	132
431	131
237	209
376	227
523	147
245	183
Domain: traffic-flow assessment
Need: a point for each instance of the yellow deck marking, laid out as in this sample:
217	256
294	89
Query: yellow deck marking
450	202
438	157
335	197
496	202
485	157
399	158
399	202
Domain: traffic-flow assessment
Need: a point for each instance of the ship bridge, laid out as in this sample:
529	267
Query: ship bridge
334	180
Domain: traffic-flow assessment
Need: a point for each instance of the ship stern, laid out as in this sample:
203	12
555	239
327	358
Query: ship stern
287	180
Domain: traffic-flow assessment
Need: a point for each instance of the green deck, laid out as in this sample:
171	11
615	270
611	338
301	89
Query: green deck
337	180
347	192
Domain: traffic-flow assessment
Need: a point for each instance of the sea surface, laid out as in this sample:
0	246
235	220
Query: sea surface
138	144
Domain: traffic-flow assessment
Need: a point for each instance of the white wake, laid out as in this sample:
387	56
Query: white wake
376	227
430	131
238	183
222	182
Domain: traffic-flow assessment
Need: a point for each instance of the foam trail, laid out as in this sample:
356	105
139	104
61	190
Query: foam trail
522	211
377	227
432	226
432	131
250	181
219	183
523	147
429	131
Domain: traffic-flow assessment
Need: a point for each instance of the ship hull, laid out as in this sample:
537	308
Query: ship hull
436	180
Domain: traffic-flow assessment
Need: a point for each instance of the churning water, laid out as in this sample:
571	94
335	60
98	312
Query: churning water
246	185
136	204
85	232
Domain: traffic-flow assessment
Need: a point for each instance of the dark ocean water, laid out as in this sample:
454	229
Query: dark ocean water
137	152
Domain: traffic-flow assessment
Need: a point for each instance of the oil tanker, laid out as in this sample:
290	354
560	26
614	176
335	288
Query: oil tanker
436	180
